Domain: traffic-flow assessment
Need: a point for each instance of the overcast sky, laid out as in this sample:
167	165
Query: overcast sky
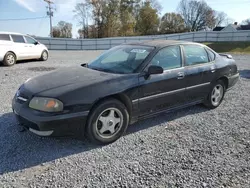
18	9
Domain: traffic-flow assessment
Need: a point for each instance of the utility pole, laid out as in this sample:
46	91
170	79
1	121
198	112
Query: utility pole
50	14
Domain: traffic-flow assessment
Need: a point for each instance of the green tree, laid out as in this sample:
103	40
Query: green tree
111	21
172	23
127	18
148	20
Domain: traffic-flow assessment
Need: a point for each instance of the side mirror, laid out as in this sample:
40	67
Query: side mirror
154	69
36	43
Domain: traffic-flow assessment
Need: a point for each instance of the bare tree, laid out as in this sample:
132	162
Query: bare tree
82	13
155	4
196	14
220	18
246	22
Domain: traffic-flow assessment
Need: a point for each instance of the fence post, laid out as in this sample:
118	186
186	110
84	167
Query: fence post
206	37
49	45
193	37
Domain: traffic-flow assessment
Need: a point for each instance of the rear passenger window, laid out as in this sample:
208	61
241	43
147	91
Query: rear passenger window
4	37
168	58
211	55
195	54
18	38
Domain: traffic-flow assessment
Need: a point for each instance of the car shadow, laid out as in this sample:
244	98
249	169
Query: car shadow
27	61
245	74
22	62
20	150
165	118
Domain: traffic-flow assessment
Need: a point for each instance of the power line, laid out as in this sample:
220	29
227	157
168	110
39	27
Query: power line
16	19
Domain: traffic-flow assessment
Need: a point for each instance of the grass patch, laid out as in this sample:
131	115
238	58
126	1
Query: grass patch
232	47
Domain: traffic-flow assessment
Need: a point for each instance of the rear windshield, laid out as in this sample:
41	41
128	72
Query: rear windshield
5	37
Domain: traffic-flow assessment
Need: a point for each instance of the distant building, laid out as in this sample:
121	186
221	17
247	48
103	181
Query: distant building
232	27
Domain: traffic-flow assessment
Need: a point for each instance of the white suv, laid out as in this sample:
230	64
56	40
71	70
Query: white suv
15	46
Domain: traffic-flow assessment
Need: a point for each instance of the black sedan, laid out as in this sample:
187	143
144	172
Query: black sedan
125	84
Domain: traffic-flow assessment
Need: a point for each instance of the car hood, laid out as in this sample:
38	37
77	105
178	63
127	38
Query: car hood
67	76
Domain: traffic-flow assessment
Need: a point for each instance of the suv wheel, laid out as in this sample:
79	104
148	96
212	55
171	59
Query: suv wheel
44	56
9	59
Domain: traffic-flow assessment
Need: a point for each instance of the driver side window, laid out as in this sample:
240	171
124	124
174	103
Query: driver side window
30	40
168	58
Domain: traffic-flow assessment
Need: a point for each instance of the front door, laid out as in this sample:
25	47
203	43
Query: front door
166	90
34	49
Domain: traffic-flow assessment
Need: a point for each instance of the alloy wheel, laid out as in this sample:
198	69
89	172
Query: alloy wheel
217	95
10	59
109	122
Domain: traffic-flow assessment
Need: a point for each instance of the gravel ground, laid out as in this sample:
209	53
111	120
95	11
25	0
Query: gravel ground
193	147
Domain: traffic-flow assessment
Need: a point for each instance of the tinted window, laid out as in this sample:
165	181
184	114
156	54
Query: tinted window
4	37
195	54
18	38
211	55
121	59
119	56
30	40
168	58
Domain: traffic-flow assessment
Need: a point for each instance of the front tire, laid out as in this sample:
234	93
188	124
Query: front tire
9	59
107	122
44	56
216	95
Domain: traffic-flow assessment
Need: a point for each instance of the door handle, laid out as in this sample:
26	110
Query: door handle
181	75
213	69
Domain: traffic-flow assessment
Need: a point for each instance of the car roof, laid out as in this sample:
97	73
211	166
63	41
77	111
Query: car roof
5	32
161	43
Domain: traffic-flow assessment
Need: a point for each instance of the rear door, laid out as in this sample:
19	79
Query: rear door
5	45
199	71
166	90
20	47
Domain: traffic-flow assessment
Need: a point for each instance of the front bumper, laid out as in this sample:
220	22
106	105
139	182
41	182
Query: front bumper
45	124
232	80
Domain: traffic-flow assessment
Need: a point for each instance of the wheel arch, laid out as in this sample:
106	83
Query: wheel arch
10	51
123	98
225	80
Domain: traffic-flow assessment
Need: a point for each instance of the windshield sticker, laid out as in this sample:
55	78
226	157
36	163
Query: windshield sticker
138	51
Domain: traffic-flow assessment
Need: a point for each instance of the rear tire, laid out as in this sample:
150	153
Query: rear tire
107	122
216	95
44	56
9	59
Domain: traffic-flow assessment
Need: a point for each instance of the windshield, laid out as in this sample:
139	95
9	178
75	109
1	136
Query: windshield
122	59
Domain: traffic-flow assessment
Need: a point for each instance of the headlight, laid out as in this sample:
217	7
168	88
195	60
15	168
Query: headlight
46	104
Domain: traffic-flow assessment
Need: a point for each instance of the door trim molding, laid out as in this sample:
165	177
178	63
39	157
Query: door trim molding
196	86
169	92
